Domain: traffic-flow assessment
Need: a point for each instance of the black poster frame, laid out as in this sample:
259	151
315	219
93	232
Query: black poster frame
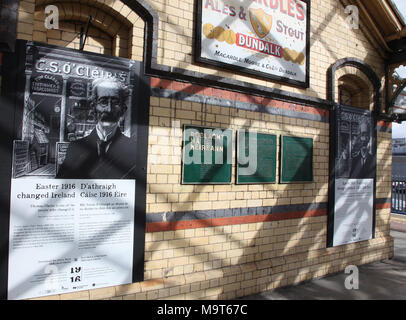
12	103
198	49
334	163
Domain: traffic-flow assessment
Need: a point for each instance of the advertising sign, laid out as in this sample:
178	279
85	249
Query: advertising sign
75	199
269	38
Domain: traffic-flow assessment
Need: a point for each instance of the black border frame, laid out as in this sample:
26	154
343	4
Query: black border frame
242	70
376	114
12	98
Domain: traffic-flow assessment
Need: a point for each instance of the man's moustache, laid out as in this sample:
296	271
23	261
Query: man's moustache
108	117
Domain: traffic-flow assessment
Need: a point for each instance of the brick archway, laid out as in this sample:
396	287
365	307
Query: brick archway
353	88
361	68
110	33
138	16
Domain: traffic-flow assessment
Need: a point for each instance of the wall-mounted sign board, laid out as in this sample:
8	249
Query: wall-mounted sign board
76	215
207	155
256	157
296	159
352	191
264	38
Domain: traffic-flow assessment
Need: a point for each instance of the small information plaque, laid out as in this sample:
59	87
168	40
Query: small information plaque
296	159
207	155
256	157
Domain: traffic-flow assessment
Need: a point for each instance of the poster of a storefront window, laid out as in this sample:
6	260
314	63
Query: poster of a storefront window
265	38
352	186
77	211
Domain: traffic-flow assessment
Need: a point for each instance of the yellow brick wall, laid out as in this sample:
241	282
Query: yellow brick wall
165	156
227	261
232	261
384	181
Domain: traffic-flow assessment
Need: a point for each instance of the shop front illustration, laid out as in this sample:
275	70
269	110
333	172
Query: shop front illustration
57	109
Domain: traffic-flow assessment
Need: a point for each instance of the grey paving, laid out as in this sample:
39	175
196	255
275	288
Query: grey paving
381	280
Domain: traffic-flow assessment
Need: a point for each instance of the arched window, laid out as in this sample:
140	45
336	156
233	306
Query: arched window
354	90
111	32
354	83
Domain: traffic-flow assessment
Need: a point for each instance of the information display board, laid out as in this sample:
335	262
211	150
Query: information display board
207	155
265	38
296	159
351	216
256	157
70	235
77	192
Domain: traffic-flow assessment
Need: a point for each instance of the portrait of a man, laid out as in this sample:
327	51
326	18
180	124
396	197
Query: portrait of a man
362	165
106	153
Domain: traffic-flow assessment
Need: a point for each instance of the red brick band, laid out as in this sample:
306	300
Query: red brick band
235	96
215	222
225	221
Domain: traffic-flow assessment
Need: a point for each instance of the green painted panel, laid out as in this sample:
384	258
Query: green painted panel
207	155
296	159
256	158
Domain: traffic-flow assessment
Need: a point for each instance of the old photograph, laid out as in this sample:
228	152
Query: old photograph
76	121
